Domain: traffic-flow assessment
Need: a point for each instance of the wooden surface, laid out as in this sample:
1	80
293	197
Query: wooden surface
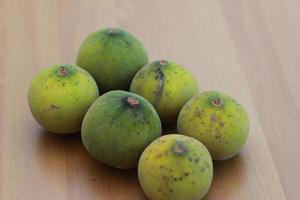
249	49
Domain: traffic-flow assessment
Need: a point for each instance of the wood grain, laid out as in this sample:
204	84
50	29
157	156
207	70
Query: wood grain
246	48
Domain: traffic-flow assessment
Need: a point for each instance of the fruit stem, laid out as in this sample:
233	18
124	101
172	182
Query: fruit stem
112	31
179	148
132	101
217	102
63	71
163	62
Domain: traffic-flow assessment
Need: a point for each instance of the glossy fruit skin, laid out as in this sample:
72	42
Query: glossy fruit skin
59	97
167	85
218	121
175	167
116	131
112	56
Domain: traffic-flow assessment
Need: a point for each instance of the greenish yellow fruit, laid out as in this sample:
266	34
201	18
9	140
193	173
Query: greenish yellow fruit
218	121
118	127
112	56
167	85
175	167
59	97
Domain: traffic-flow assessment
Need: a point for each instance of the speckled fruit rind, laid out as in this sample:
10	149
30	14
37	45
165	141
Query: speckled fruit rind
59	97
167	85
218	121
175	167
112	56
118	127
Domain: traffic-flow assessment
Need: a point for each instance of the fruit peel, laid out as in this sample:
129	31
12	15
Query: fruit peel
175	167
218	121
167	85
59	97
118	127
112	56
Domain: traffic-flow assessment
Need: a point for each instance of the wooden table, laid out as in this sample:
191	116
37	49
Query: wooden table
249	49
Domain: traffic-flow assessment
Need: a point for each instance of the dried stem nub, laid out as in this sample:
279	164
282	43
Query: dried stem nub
63	71
217	102
132	101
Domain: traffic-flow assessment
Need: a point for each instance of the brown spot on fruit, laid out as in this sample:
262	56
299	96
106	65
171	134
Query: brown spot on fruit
54	106
213	118
218	136
160	87
198	113
186	173
158	155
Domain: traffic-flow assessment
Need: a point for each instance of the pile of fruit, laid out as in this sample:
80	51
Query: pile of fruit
123	129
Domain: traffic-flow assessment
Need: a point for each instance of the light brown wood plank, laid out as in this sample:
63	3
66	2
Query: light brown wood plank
248	49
